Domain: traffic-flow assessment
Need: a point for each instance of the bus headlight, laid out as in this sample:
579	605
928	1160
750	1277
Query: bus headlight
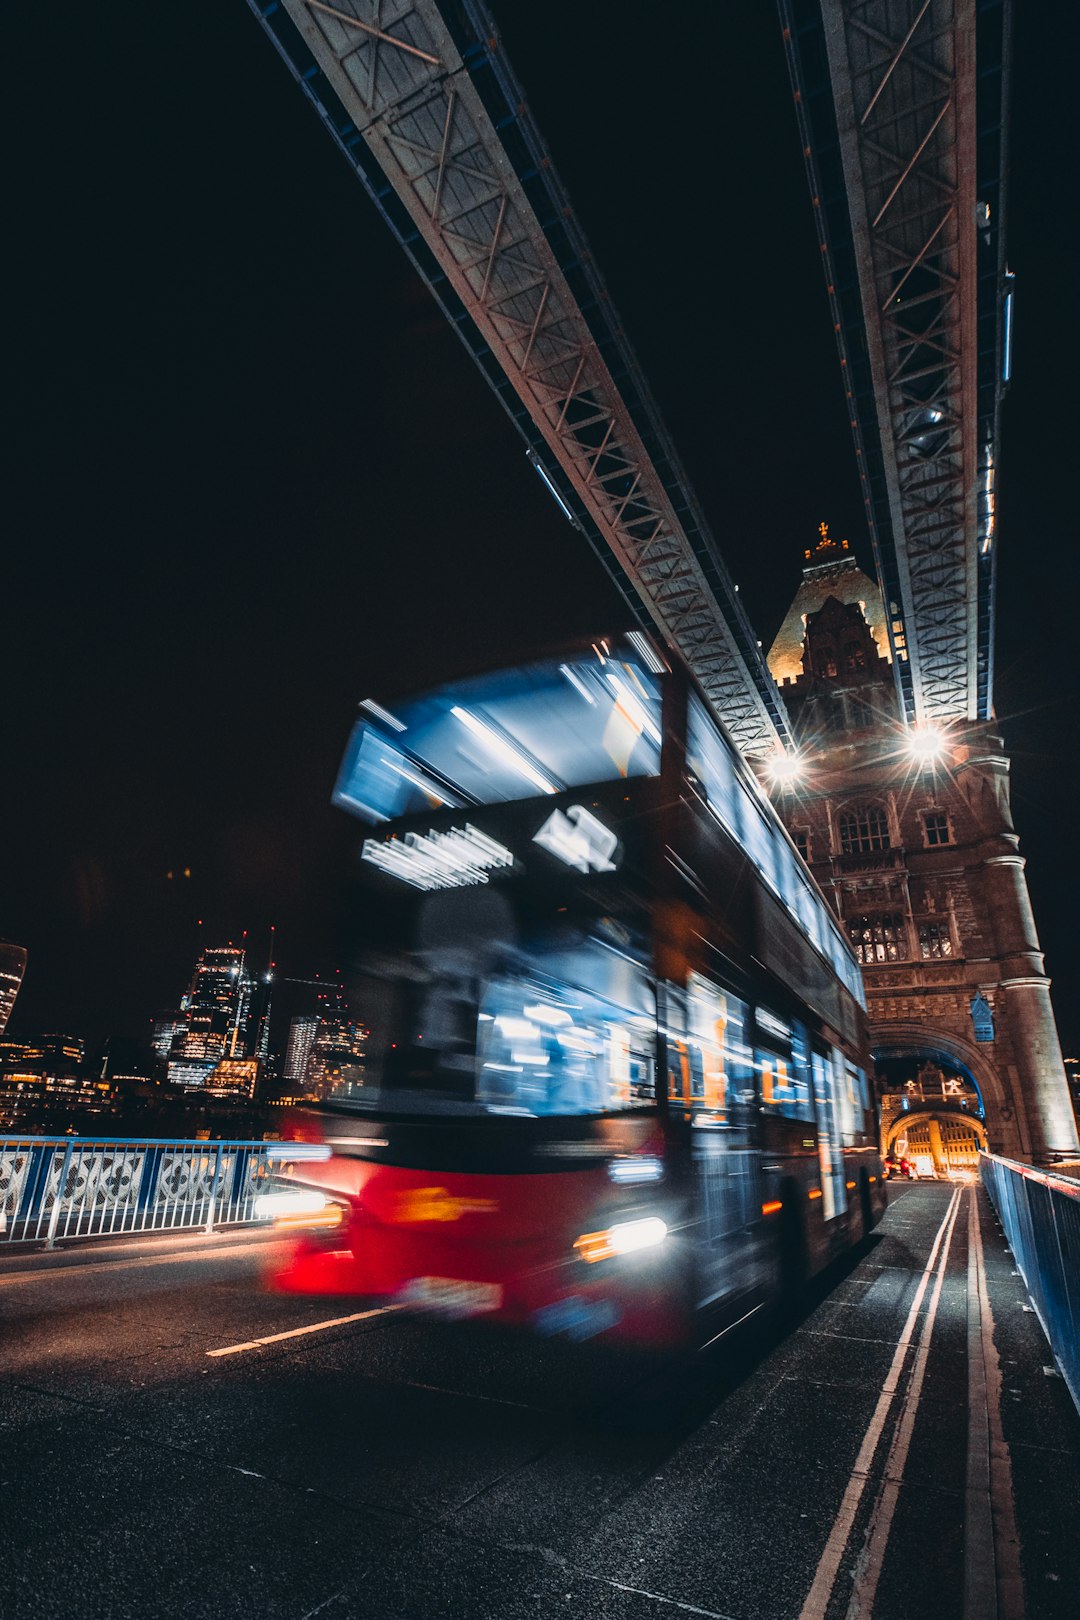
298	1208
626	1237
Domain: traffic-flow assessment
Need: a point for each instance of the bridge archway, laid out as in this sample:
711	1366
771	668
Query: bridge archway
944	1141
941	1098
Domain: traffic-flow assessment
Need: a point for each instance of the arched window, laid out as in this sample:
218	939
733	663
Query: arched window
854	656
879	938
863	829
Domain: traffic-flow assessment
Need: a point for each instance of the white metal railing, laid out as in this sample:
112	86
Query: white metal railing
1040	1213
65	1187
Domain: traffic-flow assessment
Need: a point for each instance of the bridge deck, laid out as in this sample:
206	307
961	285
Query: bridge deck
380	1468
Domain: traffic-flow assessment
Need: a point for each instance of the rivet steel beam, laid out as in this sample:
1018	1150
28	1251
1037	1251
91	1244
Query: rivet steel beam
420	98
901	111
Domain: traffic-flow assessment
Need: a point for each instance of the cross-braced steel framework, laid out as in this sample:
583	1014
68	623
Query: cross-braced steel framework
463	177
900	105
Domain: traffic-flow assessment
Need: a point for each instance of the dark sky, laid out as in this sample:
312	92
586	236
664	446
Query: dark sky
257	478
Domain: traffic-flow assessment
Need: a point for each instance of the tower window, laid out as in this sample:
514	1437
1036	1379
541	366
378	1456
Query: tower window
863	830
854	656
982	1019
935	940
801	839
936	829
879	938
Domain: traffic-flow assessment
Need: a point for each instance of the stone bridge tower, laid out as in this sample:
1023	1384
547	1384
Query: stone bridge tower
921	862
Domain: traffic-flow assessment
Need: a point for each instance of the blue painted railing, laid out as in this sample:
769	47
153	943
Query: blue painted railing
1040	1214
63	1187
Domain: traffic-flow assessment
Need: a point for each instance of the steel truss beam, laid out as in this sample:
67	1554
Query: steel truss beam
900	104
462	176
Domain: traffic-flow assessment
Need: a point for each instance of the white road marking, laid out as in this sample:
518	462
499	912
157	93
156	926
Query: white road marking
868	1571
817	1599
297	1333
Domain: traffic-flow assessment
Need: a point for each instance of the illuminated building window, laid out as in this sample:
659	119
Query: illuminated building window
936	829
879	938
854	656
863	830
801	839
935	940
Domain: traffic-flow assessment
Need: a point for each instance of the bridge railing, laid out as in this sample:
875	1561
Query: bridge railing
64	1187
1040	1213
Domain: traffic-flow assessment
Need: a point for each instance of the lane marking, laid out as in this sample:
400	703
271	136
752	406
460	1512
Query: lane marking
993	1583
657	1597
869	1566
817	1599
9	1279
297	1333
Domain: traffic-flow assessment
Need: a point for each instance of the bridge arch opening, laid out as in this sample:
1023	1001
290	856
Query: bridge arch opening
933	1107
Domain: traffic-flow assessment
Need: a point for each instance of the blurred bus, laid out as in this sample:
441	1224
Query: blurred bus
618	1078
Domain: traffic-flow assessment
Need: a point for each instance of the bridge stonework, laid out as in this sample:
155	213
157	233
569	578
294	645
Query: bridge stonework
921	862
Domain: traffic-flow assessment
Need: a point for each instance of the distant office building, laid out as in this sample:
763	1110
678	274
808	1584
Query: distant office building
59	1054
1072	1075
213	1007
189	1073
235	1078
12	968
336	1063
168	1026
62	1050
301	1044
43	1083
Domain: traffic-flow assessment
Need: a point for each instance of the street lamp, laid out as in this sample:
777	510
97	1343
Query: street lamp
785	768
926	743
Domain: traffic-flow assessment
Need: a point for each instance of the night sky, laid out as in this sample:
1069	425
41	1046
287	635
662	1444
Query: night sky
256	477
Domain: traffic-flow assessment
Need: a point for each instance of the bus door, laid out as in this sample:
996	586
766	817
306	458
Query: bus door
711	1082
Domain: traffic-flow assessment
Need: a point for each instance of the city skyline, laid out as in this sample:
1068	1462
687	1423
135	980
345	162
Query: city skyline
197	691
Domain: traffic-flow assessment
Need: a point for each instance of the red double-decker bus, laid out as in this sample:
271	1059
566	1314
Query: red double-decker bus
618	1070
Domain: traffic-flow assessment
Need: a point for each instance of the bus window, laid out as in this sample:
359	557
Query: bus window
757	837
830	1158
855	1104
710	1066
784	1080
790	881
810	912
708	759
800	1059
553	1048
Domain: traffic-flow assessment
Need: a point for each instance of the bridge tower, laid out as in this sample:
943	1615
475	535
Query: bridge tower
920	859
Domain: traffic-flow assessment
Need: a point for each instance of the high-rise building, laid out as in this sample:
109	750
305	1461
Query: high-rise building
12	968
233	1078
336	1062
916	851
213	1007
301	1043
168	1026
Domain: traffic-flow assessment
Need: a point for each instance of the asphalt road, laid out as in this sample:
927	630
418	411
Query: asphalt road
391	1469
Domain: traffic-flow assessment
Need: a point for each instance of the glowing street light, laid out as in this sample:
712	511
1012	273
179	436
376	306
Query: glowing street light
926	744
785	769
